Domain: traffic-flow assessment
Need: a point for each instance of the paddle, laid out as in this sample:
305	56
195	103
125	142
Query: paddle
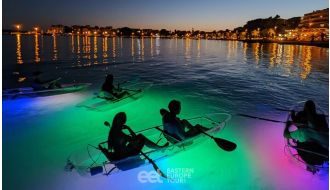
120	83
139	90
156	168
222	143
280	109
265	119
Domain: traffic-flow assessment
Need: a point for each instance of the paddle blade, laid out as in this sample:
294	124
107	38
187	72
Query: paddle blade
225	144
158	170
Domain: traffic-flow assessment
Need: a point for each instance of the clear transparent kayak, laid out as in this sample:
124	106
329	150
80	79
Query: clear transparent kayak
101	103
86	162
29	92
312	156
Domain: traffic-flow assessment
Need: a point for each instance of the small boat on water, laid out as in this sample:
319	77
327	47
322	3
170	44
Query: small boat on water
29	92
310	154
94	162
102	103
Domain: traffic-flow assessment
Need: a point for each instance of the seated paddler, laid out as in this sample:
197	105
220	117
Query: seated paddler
177	128
109	90
122	145
311	126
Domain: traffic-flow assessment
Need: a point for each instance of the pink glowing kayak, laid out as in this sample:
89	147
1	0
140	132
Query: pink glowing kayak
29	92
94	162
311	154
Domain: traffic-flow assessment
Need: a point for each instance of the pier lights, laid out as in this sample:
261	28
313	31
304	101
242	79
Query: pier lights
18	27
36	29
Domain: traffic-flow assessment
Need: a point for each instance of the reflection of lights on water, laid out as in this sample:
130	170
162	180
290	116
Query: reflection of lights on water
132	48
86	48
114	47
272	56
187	55
36	48
152	47
54	48
121	43
95	49
279	54
78	49
199	48
157	43
231	49
142	48
256	47
19	49
245	47
105	49
72	44
306	62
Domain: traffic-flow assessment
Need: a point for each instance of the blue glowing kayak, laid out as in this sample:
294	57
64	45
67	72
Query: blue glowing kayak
92	161
29	92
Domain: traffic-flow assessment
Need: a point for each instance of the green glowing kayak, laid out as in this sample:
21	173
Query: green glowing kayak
29	92
101	103
92	161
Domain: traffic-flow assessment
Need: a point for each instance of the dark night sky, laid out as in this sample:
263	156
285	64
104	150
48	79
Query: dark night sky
170	14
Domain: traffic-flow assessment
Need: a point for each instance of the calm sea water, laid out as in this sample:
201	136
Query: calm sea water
206	76
237	74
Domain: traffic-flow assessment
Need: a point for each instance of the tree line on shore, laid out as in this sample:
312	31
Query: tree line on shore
261	27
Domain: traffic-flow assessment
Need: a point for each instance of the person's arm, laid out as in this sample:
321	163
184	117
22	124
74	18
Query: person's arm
180	129
286	133
293	116
133	134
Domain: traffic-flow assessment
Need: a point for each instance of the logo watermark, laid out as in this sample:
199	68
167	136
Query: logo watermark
174	175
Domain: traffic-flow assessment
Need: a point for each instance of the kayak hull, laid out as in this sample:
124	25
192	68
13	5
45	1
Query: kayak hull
101	104
29	92
84	165
311	155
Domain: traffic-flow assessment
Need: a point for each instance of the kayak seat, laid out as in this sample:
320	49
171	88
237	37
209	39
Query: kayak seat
122	163
110	155
172	138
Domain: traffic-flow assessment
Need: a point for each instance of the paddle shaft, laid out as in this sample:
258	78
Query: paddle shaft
260	118
280	109
271	120
131	90
206	134
154	165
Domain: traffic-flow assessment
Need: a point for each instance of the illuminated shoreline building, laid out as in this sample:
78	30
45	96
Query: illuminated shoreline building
314	26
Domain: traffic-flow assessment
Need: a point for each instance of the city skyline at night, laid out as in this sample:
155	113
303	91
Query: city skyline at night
201	15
